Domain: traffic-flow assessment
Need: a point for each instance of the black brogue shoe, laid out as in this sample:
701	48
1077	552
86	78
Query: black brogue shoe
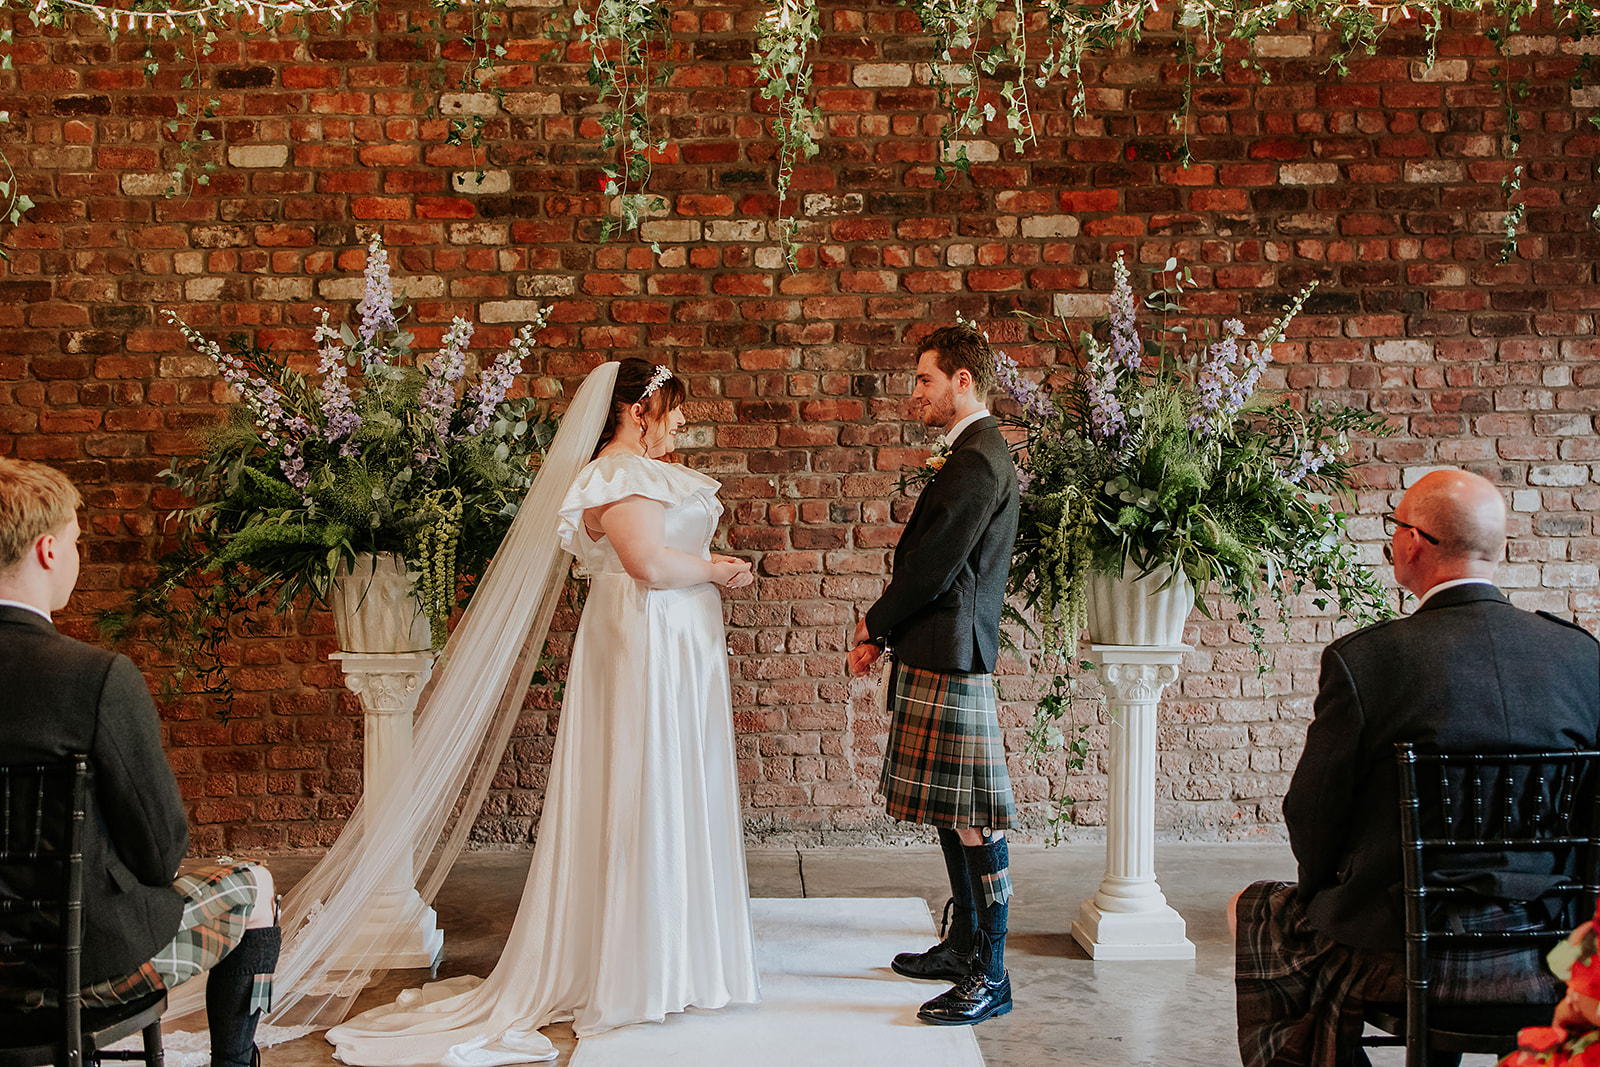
941	962
973	1000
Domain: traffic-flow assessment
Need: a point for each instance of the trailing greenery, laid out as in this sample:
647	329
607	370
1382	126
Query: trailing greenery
788	33
986	57
379	453
627	43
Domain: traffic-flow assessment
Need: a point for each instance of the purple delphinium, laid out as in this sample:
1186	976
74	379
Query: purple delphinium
1226	379
293	463
1127	351
376	309
338	406
1107	420
437	402
495	381
1027	394
257	393
1309	463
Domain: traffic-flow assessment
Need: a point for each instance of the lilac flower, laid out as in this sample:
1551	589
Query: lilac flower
1033	400
495	381
338	406
1226	379
1127	350
1108	421
1309	463
377	298
437	402
1024	479
258	394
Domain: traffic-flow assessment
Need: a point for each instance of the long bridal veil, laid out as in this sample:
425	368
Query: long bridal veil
463	722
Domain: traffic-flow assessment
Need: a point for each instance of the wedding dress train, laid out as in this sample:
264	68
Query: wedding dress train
636	904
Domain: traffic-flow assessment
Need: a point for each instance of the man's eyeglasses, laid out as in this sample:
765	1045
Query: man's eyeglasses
1390	524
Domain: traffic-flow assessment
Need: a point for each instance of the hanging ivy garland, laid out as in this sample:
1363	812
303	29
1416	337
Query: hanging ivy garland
986	57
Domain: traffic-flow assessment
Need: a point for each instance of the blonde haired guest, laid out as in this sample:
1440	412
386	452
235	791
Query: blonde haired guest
145	928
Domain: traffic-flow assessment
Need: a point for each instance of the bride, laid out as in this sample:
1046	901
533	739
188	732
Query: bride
636	903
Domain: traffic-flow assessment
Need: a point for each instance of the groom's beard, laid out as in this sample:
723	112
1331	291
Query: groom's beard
938	414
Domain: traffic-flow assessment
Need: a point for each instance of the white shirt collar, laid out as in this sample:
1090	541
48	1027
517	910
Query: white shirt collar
28	607
954	432
1451	584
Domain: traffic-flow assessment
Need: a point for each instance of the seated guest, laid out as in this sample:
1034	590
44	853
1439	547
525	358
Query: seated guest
1466	671
144	928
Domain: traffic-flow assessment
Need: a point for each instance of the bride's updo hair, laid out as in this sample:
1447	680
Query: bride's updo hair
633	378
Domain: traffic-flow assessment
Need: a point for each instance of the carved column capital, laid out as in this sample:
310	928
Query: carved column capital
1136	674
387	683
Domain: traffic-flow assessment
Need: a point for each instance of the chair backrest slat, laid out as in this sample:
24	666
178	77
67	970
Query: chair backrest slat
42	812
1456	814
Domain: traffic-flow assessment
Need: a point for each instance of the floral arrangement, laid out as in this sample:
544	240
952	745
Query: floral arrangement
380	452
1166	457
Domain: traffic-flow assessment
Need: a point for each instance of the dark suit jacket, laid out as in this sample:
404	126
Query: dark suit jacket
63	696
1466	671
941	610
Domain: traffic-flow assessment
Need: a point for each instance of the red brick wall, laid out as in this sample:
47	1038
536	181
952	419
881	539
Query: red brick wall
1383	185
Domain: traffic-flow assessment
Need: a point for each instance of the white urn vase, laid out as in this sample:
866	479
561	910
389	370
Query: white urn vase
1125	609
376	608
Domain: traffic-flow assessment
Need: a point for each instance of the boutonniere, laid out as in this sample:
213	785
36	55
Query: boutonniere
941	452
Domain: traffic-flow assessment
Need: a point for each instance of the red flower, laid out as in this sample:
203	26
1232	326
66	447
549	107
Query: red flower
1520	1058
1540	1038
1588	1056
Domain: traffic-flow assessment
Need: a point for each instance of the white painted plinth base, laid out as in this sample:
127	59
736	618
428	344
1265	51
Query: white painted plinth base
401	931
1147	935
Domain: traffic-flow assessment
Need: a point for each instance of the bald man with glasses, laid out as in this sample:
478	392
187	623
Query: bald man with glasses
1466	670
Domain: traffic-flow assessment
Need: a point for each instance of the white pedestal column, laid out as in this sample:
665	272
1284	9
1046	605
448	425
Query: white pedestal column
389	684
1129	918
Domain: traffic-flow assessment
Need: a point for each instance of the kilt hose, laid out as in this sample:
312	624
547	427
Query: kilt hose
1302	997
217	902
946	762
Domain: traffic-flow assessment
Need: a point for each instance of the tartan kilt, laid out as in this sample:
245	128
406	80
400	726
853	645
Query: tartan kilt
946	762
1302	997
217	902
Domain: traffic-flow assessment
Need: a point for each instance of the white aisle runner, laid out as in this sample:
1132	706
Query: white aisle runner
828	998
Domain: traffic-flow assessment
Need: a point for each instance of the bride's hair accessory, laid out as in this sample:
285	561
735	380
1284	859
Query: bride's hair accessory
657	380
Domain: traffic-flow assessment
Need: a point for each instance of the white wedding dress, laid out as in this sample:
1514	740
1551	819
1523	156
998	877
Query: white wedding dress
636	903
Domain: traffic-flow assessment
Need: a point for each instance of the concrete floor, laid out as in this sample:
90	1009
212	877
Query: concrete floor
1070	1010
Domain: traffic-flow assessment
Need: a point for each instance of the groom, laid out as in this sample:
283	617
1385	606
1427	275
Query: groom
940	615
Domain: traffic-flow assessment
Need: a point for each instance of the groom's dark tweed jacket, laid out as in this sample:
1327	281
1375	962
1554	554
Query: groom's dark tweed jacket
1466	671
941	610
63	697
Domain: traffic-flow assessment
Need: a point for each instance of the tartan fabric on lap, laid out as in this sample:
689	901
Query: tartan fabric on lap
946	762
1302	997
216	903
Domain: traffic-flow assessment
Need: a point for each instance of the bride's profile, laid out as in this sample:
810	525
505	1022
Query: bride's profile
636	903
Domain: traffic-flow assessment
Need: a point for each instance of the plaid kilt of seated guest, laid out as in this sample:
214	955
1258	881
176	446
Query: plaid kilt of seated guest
1302	997
946	761
217	902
